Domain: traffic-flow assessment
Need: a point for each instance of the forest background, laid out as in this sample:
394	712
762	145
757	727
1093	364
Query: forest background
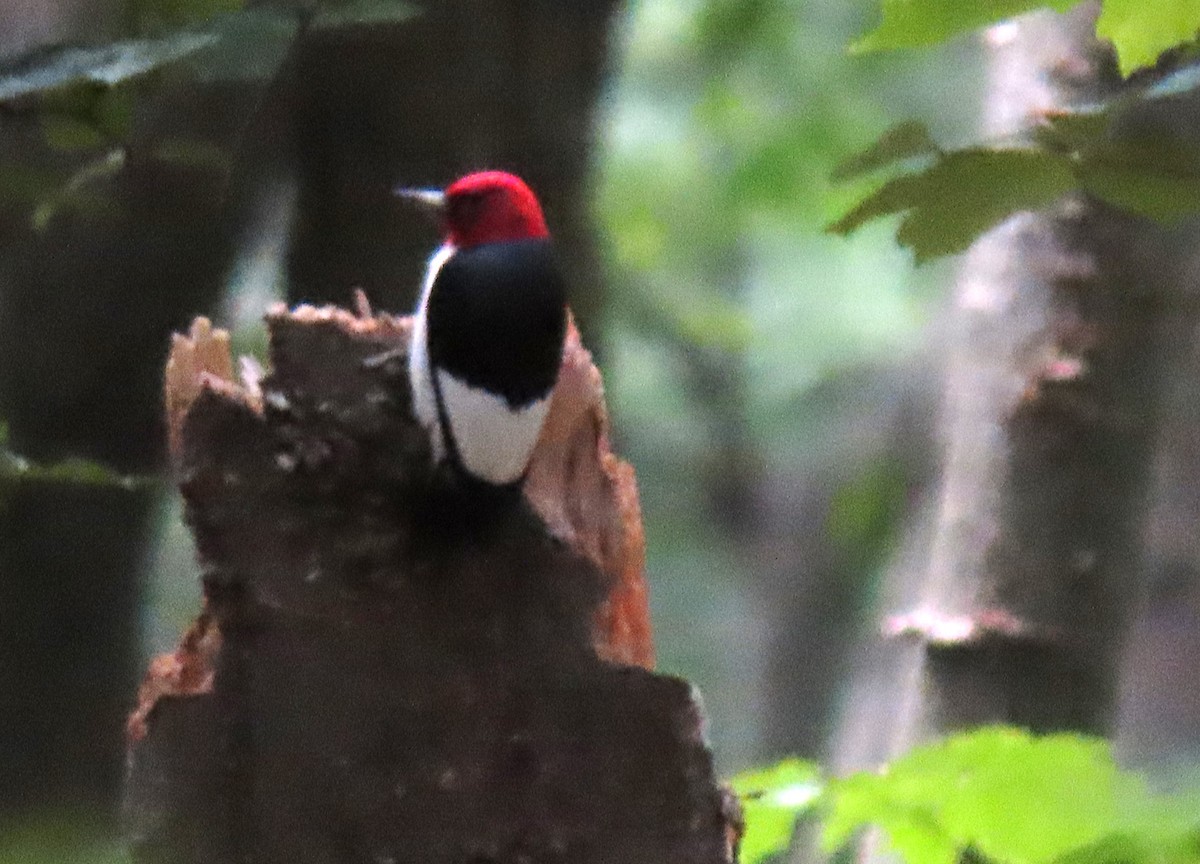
786	394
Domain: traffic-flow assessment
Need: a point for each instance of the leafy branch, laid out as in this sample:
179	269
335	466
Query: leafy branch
84	98
1140	30
948	198
997	793
16	469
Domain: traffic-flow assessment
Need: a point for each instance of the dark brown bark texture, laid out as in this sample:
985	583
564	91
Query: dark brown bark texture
404	671
1011	601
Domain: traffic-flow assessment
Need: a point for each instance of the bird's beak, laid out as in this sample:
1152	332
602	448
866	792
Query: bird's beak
431	201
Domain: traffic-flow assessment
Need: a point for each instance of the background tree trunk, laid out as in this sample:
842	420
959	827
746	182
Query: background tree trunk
1012	601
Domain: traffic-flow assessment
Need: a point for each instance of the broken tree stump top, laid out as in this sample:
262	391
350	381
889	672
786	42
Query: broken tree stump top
387	670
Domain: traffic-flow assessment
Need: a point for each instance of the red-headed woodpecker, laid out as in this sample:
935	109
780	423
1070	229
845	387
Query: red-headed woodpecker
488	331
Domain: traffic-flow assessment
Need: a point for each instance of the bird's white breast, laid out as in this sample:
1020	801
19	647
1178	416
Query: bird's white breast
494	441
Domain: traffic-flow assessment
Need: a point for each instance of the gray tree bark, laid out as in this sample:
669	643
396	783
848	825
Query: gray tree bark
1011	601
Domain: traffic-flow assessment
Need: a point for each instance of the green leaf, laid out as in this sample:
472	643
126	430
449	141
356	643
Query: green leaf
23	185
363	13
82	192
113	112
70	133
915	23
106	64
249	45
83	472
156	16
961	195
903	141
1146	189
772	799
16	468
715	322
1009	796
1141	30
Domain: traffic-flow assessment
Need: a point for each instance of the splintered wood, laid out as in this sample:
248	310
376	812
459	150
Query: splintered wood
392	669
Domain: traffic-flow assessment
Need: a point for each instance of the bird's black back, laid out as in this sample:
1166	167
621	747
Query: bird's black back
497	317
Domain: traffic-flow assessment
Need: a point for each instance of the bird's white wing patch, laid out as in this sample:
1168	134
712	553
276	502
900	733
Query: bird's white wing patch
494	441
424	402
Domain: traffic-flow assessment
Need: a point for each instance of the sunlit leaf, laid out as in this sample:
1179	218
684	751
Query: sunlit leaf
965	192
903	141
914	23
362	13
105	64
1013	797
772	799
1141	30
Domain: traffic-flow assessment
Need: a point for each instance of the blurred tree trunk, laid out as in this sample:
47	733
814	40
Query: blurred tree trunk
1159	718
85	307
1011	601
464	86
831	518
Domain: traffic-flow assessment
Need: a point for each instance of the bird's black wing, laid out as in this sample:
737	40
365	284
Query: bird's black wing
497	317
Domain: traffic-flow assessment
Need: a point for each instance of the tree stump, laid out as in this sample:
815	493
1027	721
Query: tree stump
390	670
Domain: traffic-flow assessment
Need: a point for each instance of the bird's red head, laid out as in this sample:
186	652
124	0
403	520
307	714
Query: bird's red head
491	207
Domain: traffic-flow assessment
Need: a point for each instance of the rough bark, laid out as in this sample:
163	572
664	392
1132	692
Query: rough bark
1011	602
392	669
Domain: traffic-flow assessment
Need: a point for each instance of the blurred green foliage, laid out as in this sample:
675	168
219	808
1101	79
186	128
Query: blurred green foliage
953	197
66	837
87	98
729	311
772	799
995	794
1141	30
920	23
